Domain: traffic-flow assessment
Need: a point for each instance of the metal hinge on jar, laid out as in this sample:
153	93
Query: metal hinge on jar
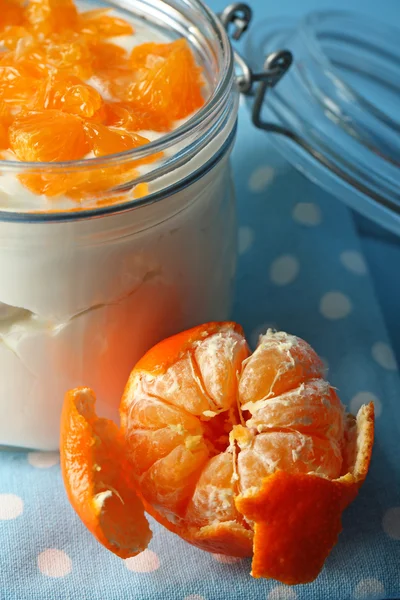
276	64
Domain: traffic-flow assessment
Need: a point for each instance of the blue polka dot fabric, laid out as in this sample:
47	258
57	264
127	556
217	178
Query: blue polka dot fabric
300	269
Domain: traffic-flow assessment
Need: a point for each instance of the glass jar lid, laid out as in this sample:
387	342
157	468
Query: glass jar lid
335	112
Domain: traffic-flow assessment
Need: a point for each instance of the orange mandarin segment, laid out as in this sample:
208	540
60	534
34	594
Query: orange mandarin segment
289	451
70	94
10	36
125	115
68	54
167	79
101	494
12	13
102	24
281	362
213	498
105	140
3	136
106	55
49	16
48	136
313	407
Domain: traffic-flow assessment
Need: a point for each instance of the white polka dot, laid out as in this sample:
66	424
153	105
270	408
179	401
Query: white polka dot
383	354
354	262
246	239
335	305
284	269
307	213
364	398
226	560
260	330
391	522
282	592
260	178
145	562
369	588
54	563
194	597
11	506
43	460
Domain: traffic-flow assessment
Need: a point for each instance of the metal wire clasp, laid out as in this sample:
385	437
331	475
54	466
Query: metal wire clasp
275	66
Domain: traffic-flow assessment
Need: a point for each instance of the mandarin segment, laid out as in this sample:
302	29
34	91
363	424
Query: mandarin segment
280	363
122	114
70	94
48	136
12	13
105	140
213	498
49	16
100	23
312	407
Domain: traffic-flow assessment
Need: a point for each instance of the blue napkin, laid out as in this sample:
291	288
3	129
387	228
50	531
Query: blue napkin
300	269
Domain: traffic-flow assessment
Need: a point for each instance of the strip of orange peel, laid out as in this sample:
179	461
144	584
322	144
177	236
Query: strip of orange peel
97	478
297	517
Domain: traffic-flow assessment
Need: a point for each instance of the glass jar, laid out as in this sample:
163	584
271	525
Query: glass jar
84	293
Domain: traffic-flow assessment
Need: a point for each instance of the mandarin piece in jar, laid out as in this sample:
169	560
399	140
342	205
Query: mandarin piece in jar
12	13
238	453
101	24
49	16
168	79
48	136
70	94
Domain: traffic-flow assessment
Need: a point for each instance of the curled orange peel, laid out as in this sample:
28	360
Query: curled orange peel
297	518
288	522
97	479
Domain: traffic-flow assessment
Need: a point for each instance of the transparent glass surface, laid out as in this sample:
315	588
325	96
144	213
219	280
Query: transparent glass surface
341	96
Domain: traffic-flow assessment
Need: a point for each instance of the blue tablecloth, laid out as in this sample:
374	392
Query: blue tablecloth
301	268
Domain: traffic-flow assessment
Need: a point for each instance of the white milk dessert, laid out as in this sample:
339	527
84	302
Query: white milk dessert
117	221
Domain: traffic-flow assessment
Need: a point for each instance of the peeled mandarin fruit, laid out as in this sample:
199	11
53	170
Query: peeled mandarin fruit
168	79
238	453
48	136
